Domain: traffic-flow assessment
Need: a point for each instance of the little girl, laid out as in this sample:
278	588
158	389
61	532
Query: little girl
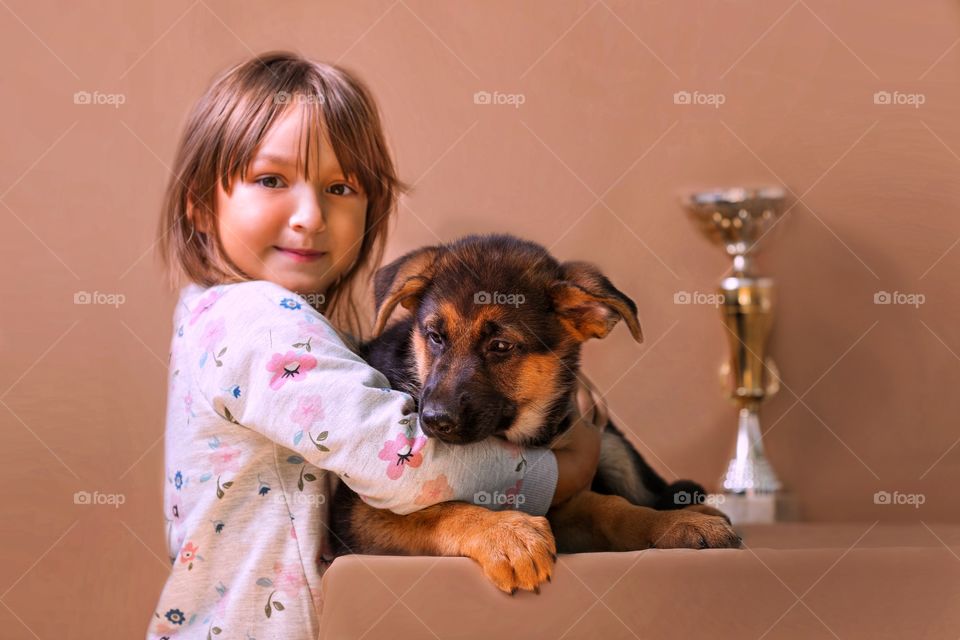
281	194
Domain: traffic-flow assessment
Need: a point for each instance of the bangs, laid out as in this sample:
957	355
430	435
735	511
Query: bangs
327	112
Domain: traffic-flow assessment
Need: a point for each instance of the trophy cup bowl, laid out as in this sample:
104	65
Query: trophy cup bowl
738	219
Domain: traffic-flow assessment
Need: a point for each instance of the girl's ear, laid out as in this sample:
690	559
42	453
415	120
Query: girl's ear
403	282
196	217
588	304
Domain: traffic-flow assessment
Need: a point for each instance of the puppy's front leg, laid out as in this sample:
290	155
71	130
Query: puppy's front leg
595	522
515	550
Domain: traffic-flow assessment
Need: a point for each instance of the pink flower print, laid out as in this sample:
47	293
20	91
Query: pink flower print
212	334
512	494
289	579
165	630
434	491
187	402
289	366
309	410
225	459
400	452
314	329
188	552
204	305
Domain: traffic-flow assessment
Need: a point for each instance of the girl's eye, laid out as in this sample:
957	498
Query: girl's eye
342	189
270	182
500	346
435	337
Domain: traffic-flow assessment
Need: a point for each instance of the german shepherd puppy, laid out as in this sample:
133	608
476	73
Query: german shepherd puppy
479	368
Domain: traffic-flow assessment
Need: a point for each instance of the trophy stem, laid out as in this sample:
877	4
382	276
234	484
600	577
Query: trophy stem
749	472
742	265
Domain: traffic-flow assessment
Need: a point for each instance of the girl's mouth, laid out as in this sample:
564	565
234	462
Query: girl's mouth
301	255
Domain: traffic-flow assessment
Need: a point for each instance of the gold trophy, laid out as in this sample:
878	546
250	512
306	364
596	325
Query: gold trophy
737	219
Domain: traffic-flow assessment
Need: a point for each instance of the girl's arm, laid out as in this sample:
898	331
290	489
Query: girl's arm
578	454
266	361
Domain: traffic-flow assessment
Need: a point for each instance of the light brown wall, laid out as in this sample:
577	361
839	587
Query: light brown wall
590	165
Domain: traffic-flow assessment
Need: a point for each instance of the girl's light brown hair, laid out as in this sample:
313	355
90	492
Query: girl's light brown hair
223	131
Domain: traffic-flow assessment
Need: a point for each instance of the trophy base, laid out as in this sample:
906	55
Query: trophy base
759	508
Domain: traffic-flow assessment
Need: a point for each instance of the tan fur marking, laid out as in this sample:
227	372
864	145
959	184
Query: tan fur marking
514	549
420	356
535	387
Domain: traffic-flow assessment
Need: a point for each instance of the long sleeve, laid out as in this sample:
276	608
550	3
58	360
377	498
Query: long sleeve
266	361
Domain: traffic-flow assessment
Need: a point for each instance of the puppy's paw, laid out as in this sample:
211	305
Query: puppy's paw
515	550
688	529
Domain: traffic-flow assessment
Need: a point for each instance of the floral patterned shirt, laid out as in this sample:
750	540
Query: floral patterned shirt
267	409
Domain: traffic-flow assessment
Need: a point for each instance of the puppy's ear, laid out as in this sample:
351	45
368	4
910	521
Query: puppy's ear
589	305
402	282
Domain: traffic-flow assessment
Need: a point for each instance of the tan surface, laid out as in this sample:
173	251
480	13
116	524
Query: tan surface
83	386
852	581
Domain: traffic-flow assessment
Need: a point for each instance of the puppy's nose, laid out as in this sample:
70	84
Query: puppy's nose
438	421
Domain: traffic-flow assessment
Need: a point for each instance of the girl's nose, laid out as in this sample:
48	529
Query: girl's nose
308	215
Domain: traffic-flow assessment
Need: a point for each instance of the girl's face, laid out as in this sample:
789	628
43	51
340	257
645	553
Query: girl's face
277	226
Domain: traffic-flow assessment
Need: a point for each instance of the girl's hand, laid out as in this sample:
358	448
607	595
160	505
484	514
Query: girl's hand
578	453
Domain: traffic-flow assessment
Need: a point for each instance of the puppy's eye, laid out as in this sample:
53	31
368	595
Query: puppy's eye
435	337
500	346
